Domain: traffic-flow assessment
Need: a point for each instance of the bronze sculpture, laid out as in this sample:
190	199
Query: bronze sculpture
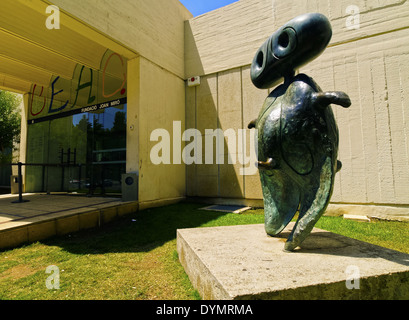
297	134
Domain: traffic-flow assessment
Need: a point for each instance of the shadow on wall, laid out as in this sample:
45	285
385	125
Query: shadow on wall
215	176
215	104
226	101
193	61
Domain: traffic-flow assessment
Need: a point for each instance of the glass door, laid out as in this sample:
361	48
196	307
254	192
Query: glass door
83	153
108	154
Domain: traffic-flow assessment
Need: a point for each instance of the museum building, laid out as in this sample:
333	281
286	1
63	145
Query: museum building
100	77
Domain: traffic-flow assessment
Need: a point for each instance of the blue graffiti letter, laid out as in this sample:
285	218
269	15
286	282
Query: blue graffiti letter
91	99
53	94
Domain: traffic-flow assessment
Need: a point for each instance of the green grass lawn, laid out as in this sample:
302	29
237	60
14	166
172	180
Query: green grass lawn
136	258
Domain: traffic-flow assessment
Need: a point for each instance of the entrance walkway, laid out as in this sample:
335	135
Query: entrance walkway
45	216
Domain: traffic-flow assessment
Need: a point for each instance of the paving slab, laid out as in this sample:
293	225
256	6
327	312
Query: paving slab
242	262
44	216
6	218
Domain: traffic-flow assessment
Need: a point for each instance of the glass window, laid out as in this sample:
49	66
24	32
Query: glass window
90	146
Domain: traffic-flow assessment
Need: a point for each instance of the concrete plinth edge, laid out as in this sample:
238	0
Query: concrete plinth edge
243	263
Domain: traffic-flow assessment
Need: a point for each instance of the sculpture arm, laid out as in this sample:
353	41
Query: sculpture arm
324	99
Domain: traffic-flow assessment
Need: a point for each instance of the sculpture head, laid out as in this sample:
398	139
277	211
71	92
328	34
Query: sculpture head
298	42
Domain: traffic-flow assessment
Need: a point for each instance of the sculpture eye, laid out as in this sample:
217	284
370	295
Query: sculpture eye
285	43
260	60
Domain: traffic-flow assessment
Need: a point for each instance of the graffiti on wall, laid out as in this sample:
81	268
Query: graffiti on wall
88	89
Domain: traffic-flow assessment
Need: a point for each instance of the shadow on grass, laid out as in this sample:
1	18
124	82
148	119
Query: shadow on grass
332	244
139	232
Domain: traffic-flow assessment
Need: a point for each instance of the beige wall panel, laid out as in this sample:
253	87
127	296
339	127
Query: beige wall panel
355	114
351	145
398	125
207	178
230	117
190	107
206	104
206	118
191	179
383	136
161	103
207	185
253	100
369	130
207	175
404	76
133	106
347	183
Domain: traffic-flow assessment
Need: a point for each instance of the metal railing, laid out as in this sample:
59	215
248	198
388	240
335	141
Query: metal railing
91	188
43	165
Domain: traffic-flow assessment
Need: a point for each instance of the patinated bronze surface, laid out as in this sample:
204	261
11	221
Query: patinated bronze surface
297	134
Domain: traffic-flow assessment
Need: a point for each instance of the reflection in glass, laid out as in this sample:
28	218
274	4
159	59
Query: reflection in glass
94	144
108	152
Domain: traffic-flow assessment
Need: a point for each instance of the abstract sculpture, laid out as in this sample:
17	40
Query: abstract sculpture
297	134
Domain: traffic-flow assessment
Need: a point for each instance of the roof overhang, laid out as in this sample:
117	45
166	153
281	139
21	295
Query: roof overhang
33	54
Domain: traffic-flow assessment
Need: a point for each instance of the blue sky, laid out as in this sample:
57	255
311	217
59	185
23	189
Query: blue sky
198	7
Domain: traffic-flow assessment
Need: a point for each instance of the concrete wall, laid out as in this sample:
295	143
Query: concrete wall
224	100
369	63
154	29
156	92
157	99
161	103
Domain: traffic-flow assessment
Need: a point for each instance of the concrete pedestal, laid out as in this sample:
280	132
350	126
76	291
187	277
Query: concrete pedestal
242	262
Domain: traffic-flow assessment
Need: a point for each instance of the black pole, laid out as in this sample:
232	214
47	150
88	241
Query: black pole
79	176
69	156
62	177
43	179
20	185
102	181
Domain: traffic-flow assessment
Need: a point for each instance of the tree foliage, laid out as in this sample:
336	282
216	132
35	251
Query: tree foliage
10	121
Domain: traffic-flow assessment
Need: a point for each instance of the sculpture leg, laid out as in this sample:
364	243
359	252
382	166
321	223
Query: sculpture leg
313	205
281	201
